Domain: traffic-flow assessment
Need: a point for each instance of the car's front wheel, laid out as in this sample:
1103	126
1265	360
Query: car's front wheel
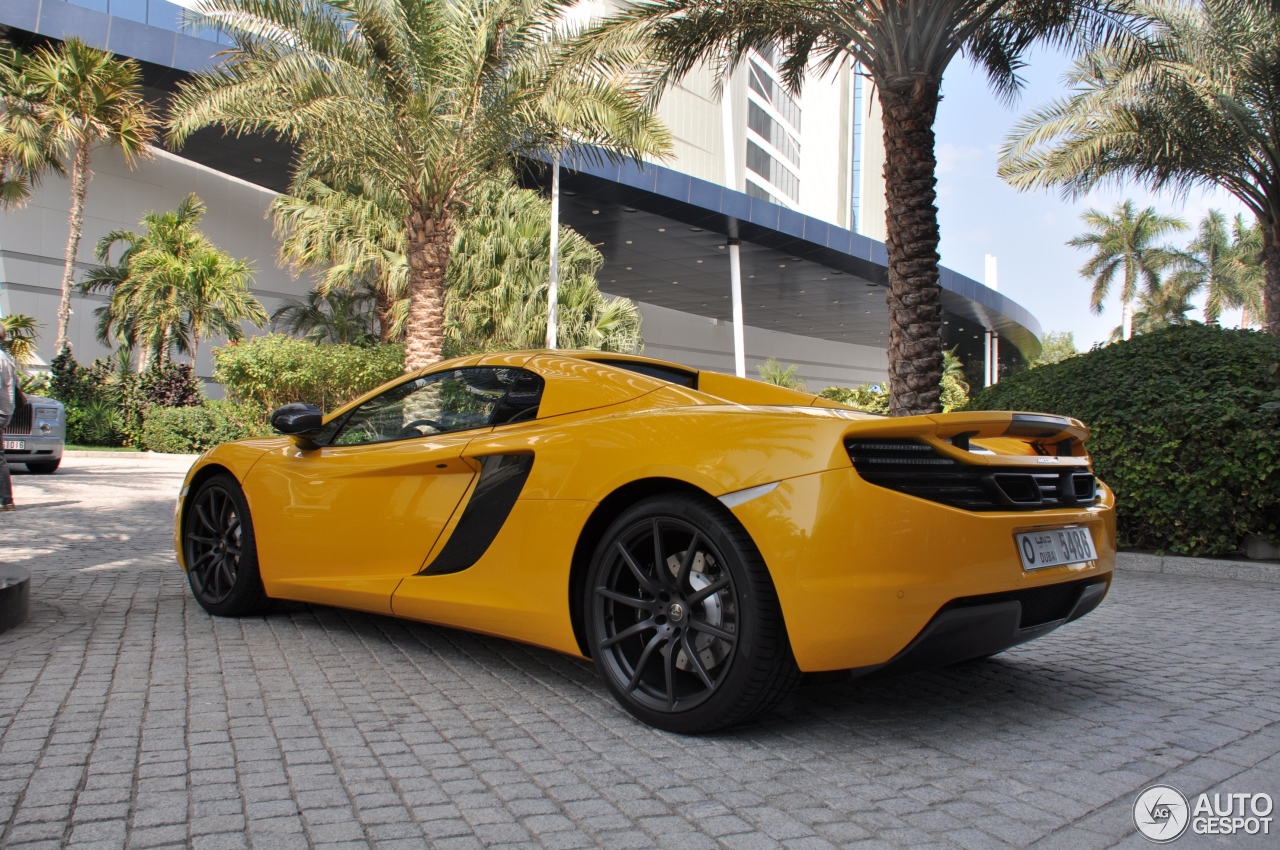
220	550
683	620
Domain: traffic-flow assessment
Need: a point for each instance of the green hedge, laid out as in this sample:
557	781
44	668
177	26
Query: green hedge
274	369
1186	430
190	430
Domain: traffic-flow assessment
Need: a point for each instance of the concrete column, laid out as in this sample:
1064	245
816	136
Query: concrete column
553	283
735	260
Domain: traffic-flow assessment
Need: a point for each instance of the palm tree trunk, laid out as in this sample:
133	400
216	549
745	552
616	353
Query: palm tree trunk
1126	320
385	305
1271	282
427	246
915	298
80	176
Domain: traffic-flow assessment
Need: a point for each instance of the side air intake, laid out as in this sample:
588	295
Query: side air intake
917	469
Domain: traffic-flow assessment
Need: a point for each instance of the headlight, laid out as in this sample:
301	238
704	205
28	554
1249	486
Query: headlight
46	413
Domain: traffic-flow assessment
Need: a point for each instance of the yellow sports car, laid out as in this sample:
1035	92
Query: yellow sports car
702	538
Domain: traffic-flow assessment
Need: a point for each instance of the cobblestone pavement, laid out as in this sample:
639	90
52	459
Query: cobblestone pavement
129	718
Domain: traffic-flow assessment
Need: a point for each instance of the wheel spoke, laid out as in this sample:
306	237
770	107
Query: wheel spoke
669	673
714	631
713	588
208	541
659	563
224	568
644	661
630	631
691	652
686	562
204	519
645	581
632	601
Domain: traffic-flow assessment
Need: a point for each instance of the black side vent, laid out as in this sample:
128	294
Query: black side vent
21	421
917	469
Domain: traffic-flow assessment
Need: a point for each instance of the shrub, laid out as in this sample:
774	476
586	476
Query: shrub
274	369
1185	430
93	423
192	429
105	401
863	398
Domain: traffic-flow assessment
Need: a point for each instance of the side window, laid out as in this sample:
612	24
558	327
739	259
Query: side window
454	400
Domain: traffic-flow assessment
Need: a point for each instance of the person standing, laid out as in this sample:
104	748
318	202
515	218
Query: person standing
9	386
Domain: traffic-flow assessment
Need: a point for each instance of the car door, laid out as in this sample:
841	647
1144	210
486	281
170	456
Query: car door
344	522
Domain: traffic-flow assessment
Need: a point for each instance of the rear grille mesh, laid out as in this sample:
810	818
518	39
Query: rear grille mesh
21	421
917	469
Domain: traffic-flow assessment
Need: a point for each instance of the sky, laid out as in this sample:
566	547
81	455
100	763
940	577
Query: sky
980	214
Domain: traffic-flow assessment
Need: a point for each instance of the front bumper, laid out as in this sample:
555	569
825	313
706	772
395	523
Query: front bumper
39	448
862	571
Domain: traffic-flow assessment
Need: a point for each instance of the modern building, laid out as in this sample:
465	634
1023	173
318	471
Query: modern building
792	184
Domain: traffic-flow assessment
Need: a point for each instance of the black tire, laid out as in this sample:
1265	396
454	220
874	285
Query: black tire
220	550
714	603
47	468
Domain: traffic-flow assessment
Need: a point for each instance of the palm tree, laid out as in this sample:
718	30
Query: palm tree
1189	101
903	47
773	372
20	330
349	236
1246	260
1166	305
421	97
1212	263
87	98
496	282
499	280
1124	243
336	315
27	149
170	287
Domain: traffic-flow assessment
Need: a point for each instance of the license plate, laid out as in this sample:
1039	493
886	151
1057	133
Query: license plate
15	445
1055	547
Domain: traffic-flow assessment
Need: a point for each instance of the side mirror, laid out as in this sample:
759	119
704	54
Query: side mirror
298	419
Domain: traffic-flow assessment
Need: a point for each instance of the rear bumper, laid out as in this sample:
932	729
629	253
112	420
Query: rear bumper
862	571
979	626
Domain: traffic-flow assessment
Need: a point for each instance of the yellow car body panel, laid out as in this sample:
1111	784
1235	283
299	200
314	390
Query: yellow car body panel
860	569
309	509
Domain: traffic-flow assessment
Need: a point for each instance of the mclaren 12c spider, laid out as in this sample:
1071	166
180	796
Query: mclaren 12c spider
702	538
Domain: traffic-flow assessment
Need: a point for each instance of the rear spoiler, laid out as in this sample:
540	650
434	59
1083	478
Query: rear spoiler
989	437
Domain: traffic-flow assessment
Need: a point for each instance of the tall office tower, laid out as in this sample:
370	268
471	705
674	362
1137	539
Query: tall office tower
819	152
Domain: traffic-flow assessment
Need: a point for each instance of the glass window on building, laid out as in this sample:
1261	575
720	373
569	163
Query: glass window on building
763	125
760	162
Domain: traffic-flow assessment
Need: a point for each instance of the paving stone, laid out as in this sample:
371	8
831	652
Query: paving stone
131	719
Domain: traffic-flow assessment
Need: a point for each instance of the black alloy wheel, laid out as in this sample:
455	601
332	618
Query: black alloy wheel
684	624
220	550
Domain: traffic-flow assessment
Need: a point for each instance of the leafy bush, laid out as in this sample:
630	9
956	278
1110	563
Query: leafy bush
1185	430
105	401
274	369
863	398
93	423
192	429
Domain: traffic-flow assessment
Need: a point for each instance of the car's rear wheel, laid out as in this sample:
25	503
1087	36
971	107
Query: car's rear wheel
683	620
48	467
220	550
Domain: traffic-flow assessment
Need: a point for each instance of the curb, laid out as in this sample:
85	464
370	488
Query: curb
1267	572
134	455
